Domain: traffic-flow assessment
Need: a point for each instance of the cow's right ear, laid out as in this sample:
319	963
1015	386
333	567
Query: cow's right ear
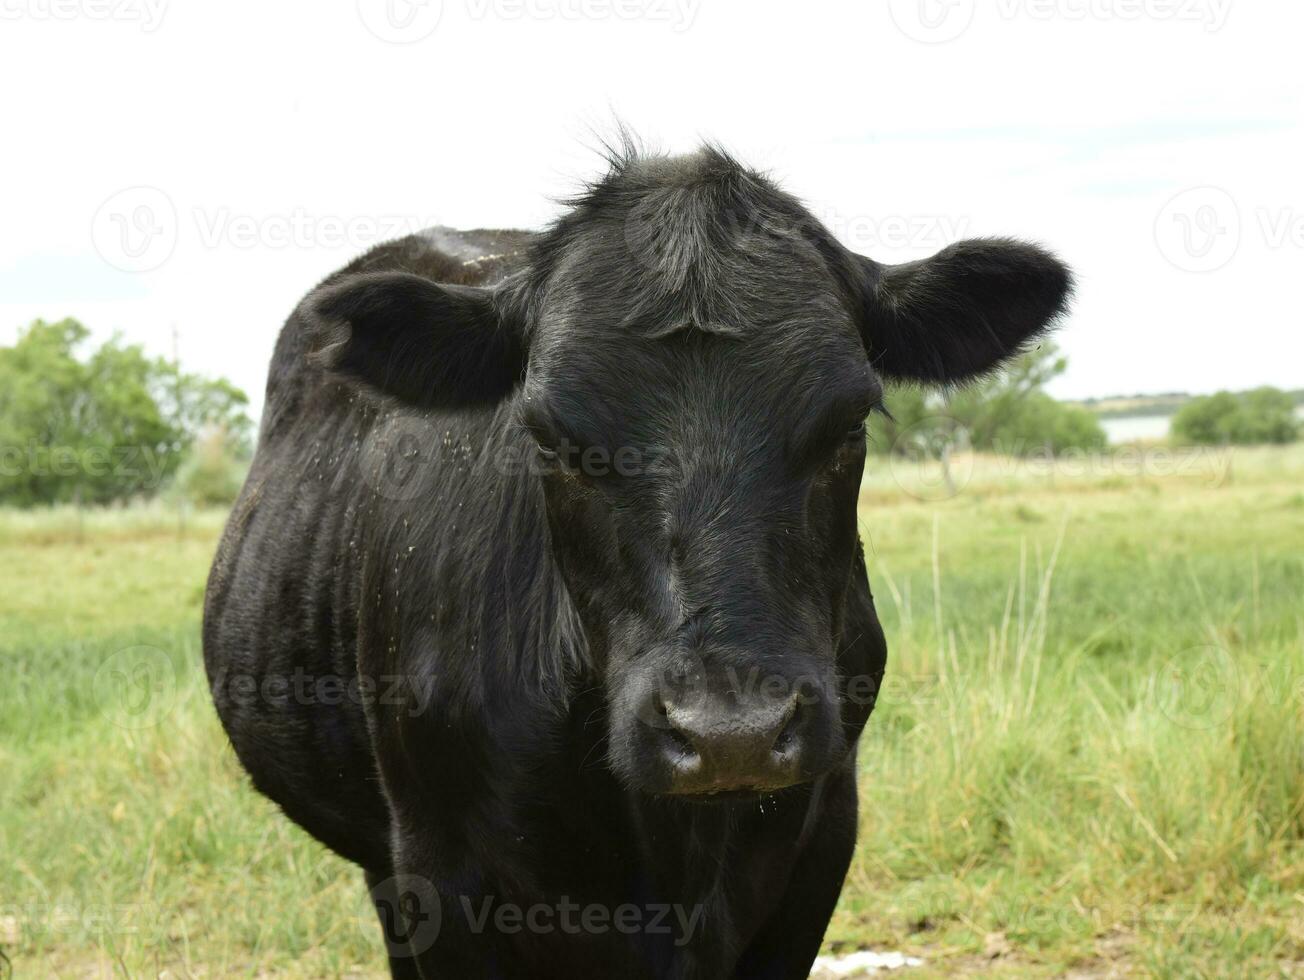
427	344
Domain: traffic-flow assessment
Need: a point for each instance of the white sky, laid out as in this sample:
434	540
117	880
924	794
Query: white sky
1077	123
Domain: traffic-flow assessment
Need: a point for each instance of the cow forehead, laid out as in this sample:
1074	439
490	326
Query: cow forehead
679	284
698	386
669	244
735	280
771	297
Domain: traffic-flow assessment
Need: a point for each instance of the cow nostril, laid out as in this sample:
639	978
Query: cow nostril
678	741
682	743
724	744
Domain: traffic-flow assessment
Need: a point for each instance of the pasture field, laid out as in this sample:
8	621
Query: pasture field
1088	757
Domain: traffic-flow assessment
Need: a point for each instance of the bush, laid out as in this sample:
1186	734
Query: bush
1009	413
1040	424
1265	415
103	425
214	470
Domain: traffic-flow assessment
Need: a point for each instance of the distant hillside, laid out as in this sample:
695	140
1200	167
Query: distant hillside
1115	406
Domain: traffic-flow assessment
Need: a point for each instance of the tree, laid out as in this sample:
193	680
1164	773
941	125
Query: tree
127	445
207	404
1265	415
999	410
1008	413
112	425
1040	424
214	470
43	405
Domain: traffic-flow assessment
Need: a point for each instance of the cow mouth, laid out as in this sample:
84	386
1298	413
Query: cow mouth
745	794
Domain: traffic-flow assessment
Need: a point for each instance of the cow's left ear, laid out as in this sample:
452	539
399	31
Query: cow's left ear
428	344
962	312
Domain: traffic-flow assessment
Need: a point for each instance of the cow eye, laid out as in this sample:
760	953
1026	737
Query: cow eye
568	460
563	461
857	432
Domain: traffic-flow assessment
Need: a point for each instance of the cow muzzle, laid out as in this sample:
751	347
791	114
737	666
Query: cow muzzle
730	743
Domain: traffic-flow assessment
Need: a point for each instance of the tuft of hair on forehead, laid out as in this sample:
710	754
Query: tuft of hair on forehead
694	240
633	168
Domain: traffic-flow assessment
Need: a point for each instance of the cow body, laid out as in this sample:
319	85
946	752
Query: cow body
409	549
439	642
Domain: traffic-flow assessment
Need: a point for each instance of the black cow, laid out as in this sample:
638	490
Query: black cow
544	601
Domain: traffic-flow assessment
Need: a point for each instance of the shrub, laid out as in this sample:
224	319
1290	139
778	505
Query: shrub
1040	424
213	471
1009	413
1265	415
103	425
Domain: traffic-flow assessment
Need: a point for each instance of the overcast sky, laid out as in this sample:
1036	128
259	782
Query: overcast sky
202	164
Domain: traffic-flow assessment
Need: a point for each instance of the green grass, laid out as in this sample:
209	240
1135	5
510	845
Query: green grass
1089	755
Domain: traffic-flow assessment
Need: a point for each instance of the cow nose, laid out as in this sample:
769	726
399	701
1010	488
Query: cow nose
731	744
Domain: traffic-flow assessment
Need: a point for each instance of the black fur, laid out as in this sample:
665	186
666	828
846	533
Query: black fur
961	312
427	344
531	635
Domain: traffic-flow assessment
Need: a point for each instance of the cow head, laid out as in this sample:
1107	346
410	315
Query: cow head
693	358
